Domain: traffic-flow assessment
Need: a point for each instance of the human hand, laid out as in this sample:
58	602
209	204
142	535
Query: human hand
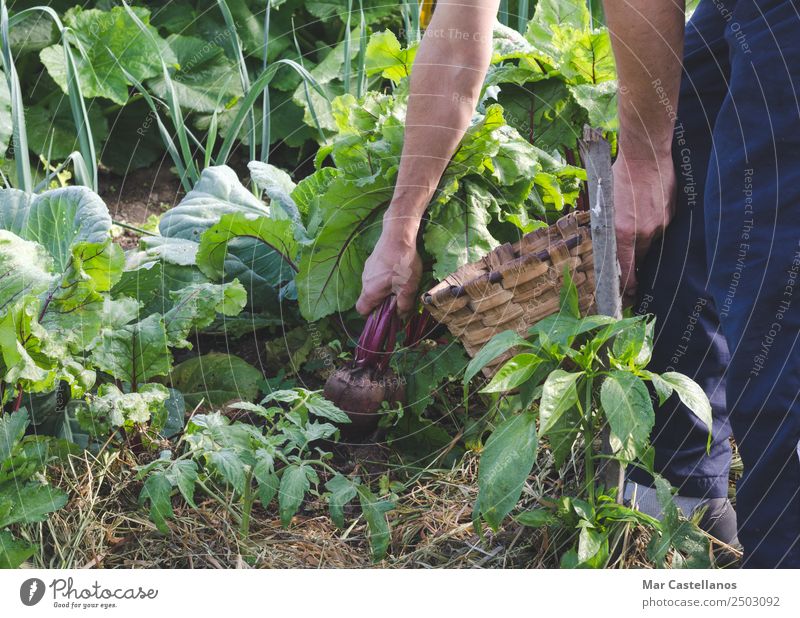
644	204
393	268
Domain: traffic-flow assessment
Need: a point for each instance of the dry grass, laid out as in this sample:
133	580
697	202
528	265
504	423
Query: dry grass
102	526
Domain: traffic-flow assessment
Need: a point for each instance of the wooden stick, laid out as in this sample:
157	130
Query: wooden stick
596	154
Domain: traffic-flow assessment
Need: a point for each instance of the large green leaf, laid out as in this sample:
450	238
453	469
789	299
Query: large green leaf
386	56
13	551
600	103
276	235
57	219
51	128
506	462
196	306
30	503
109	41
329	279
627	406
204	78
219	192
216	379
458	231
134	353
24	269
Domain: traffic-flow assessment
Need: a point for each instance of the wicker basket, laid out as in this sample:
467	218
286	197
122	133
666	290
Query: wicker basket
515	286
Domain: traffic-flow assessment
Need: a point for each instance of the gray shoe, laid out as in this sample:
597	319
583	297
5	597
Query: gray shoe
718	518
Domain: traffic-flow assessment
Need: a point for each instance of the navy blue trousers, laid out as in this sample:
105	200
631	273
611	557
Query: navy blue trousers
724	281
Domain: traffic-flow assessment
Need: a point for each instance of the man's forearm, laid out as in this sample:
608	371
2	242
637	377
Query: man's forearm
647	38
446	80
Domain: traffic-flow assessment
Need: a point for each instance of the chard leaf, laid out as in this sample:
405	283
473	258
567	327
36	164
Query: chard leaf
12	428
24	269
329	279
386	56
459	231
134	353
196	306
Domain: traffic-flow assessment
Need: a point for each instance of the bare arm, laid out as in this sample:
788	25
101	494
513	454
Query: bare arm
446	80
647	38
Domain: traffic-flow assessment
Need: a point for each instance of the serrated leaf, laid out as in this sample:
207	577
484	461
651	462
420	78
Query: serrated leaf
375	510
183	475
230	466
157	490
294	485
317	405
342	490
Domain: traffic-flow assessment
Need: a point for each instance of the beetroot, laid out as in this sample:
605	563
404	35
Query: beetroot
362	386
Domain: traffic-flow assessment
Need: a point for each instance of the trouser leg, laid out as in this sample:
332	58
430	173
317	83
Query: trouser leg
752	224
673	282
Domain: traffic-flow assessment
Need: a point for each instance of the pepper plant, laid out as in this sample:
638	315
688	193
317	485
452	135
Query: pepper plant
573	375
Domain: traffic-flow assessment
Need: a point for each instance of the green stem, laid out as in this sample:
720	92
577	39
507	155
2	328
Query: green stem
133	228
588	439
221	500
247	505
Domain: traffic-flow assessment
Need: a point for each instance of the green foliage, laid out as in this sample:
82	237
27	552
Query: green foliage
109	41
276	458
579	373
24	497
